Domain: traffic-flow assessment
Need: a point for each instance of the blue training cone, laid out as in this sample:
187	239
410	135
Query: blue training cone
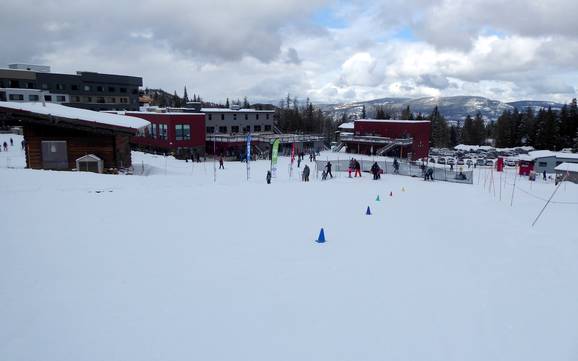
377	199
321	238
368	212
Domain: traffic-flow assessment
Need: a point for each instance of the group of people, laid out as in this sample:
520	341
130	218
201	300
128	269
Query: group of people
355	167
5	145
376	171
326	171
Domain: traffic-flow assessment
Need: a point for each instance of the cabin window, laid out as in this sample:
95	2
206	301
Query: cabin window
163	131
542	164
183	132
210	130
33	98
235	129
267	127
223	130
257	128
16	97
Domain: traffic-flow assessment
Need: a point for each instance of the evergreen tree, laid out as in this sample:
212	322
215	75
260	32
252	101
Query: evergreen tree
454	136
363	113
503	130
380	113
527	130
406	114
439	129
478	130
468	131
176	101
185	96
227	105
246	104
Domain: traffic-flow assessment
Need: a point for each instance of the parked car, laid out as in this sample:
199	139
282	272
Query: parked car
451	161
432	160
441	160
460	162
489	163
469	162
480	161
511	163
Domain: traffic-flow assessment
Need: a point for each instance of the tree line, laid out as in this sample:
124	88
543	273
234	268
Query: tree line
542	129
293	117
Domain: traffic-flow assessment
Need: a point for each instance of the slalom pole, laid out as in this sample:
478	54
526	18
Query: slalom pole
513	189
548	202
501	185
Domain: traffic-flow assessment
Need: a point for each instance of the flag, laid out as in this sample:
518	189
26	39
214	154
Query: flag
274	155
248	147
292	152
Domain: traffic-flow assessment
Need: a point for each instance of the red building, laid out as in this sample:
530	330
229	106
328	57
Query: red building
399	138
180	133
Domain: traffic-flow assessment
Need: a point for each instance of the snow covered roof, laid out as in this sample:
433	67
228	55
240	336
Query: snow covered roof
349	125
541	154
568	167
89	116
392	121
562	155
227	110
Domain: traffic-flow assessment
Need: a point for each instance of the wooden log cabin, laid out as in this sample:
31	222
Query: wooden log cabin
56	136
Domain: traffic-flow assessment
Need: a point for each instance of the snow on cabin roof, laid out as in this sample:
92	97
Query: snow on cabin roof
392	121
227	110
349	125
541	154
568	167
85	115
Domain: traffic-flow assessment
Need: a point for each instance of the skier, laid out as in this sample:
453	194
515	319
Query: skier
221	163
5	146
268	177
11	142
543	173
328	168
395	166
306	173
375	171
357	168
451	167
298	161
23	144
351	166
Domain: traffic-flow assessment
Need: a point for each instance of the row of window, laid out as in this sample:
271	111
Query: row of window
90	88
10	83
98	100
235	116
235	129
159	131
36	98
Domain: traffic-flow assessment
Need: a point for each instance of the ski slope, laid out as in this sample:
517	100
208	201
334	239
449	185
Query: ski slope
171	265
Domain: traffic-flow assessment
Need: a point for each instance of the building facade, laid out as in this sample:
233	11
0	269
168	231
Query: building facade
86	90
56	136
238	121
182	134
396	138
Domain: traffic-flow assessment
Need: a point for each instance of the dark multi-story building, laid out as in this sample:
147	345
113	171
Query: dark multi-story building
87	90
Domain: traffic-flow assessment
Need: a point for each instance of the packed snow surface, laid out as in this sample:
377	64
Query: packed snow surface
63	111
170	265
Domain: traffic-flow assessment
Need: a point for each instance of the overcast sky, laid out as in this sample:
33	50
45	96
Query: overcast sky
330	51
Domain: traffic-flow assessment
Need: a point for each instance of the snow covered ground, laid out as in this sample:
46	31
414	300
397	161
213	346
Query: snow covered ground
173	266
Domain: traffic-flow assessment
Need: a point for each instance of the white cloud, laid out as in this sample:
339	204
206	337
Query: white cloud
265	49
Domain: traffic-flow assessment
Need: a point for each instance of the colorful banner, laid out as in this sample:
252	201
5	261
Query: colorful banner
248	154
274	156
248	147
292	152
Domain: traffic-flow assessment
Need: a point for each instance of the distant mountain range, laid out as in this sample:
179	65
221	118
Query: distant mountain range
455	108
